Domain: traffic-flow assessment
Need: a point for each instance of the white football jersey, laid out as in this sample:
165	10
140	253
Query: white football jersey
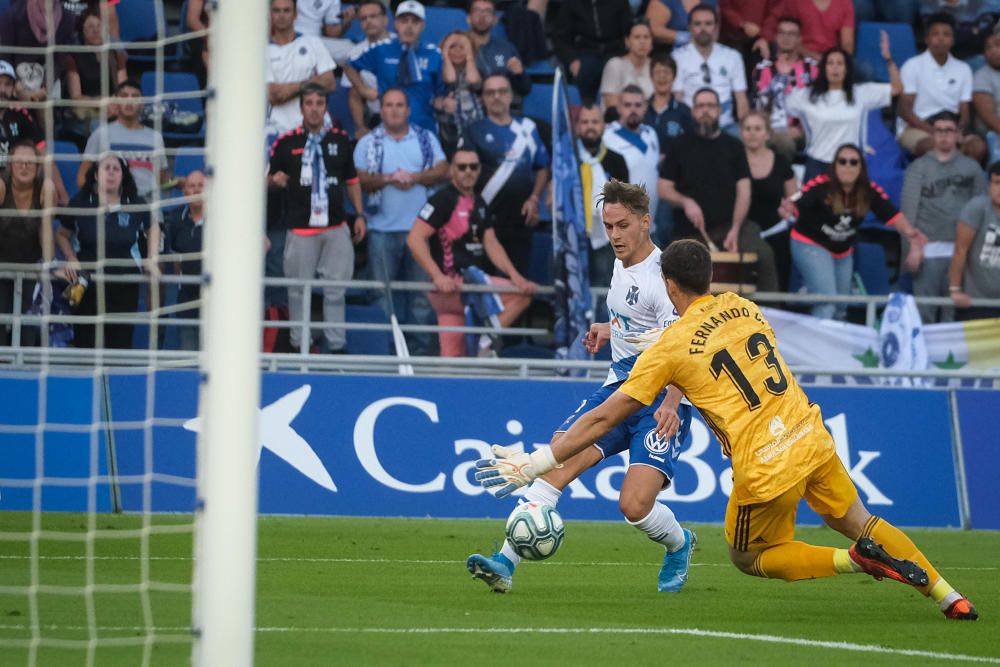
637	302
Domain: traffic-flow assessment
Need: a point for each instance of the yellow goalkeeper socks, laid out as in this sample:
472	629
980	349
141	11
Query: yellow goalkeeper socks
793	561
898	545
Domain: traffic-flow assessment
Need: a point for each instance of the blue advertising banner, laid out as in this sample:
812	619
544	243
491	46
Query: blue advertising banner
394	446
977	417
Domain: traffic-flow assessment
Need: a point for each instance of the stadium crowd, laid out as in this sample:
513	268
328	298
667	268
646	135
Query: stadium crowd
403	145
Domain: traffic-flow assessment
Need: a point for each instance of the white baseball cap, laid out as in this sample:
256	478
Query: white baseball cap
6	69
412	7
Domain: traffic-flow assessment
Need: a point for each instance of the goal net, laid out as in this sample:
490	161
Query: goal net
129	361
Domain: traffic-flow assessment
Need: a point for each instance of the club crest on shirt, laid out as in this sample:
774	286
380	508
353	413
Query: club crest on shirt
123	219
632	297
331	150
427	211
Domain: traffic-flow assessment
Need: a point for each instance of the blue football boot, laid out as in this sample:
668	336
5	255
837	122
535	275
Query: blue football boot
496	571
674	572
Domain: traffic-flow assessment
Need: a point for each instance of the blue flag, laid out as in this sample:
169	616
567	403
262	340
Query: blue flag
572	279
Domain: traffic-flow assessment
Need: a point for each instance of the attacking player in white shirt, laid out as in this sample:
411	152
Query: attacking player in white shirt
637	302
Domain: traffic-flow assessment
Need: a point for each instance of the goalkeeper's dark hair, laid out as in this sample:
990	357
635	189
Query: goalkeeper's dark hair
632	197
688	263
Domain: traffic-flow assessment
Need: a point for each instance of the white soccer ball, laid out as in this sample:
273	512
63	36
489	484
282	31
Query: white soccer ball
535	531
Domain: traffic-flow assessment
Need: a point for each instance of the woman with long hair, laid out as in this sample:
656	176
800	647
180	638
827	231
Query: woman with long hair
771	181
462	80
829	212
113	235
834	109
86	71
631	68
26	197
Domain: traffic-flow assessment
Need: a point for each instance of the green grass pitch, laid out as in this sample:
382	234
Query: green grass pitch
395	592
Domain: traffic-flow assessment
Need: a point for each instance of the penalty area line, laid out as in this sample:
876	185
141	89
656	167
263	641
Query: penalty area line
691	632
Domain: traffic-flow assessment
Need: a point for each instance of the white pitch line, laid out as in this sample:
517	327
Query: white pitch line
398	561
691	632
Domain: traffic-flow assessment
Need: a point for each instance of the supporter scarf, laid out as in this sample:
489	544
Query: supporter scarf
593	178
408	71
375	155
313	175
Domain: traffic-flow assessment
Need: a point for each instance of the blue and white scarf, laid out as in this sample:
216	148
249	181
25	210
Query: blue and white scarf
375	155
313	175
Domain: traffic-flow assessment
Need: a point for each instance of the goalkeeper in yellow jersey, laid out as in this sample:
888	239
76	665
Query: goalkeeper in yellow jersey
780	449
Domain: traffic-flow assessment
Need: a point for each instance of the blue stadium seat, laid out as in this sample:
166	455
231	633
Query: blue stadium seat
178	82
538	103
185	163
338	107
441	21
368	342
67	156
867	56
140	20
540	269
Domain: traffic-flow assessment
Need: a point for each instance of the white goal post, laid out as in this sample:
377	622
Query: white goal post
226	525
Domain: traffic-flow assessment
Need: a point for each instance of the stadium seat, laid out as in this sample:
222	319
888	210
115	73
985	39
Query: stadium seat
538	103
867	56
185	163
178	82
540	269
340	109
67	157
441	21
365	341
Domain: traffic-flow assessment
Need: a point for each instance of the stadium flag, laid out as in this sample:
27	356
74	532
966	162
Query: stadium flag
573	307
970	345
901	340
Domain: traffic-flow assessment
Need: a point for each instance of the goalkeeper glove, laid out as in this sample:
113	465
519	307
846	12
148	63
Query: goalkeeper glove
644	339
512	469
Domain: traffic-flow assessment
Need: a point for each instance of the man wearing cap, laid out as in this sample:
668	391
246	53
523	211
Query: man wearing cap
15	121
402	61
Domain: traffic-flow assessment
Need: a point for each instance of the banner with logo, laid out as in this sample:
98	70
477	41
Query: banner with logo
977	417
398	446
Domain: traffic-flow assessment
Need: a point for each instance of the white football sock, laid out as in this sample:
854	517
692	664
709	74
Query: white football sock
660	525
540	491
508	551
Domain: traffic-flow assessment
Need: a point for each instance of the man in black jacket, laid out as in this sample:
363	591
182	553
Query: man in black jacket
586	34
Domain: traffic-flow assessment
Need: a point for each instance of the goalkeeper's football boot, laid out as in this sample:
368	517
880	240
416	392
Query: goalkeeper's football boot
496	571
961	610
674	572
874	560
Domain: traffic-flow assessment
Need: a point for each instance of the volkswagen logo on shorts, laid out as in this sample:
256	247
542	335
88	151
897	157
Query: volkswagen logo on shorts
655	444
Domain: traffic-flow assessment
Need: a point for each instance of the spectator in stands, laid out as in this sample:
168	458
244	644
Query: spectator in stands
826	24
454	236
84	75
598	164
588	33
396	163
406	63
635	141
326	20
774	80
109	185
973	21
515	170
140	145
631	69
771	180
664	112
25	238
669	20
313	165
493	54
463	81
706	177
975	266
26	25
833	109
831	209
374	23
293	61
16	122
103	8
935	189
933	81
196	19
185	227
985	95
743	23
705	63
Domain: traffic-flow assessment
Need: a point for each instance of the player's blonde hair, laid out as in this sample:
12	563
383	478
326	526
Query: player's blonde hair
632	196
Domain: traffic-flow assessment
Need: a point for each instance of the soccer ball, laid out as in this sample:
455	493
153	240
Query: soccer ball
535	531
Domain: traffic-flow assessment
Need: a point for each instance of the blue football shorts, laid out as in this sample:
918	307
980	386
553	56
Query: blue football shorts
637	433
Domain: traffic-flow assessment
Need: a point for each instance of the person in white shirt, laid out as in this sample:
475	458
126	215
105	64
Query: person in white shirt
933	81
324	19
636	142
833	109
703	62
293	60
